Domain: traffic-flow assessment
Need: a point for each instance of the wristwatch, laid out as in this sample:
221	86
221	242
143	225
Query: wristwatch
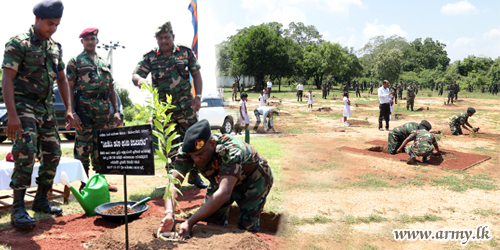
198	96
170	211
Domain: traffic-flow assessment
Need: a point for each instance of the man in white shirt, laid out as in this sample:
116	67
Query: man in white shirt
384	96
300	91
266	112
269	86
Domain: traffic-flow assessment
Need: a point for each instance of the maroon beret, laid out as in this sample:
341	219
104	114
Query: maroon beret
89	31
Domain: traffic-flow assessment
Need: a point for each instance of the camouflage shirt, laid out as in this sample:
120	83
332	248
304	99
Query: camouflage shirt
324	87
88	75
459	119
424	142
395	89
410	92
232	157
171	74
405	129
37	64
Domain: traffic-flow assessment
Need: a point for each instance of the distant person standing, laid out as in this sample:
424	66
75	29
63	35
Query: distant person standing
300	91
395	90
269	86
440	89
457	89
356	87
451	92
324	88
262	99
242	89
310	100
410	96
384	96
371	88
347	109
400	90
221	92
235	90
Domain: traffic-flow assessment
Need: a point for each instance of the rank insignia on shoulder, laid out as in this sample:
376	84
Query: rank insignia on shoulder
221	150
198	144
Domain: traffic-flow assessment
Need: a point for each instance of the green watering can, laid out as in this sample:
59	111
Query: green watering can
95	193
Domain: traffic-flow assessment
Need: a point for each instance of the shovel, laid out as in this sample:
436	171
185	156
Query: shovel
140	202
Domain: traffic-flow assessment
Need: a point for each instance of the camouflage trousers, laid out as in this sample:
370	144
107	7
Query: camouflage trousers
235	95
394	141
423	149
395	98
409	102
358	93
40	139
456	95
450	97
183	119
455	129
325	92
440	92
250	198
94	115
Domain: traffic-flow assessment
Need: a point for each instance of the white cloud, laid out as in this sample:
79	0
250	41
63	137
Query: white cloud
492	34
464	46
460	8
375	29
343	5
287	15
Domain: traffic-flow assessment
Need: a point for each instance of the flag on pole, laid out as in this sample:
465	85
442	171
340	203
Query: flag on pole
193	7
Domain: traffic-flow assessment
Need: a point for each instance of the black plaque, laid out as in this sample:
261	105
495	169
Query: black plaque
126	150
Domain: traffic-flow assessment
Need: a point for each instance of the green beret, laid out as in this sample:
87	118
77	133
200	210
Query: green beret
49	9
164	28
426	124
471	110
196	136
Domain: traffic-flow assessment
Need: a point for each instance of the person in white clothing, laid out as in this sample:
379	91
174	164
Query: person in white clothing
268	115
262	99
392	109
384	96
269	86
300	88
347	109
221	92
310	100
244	118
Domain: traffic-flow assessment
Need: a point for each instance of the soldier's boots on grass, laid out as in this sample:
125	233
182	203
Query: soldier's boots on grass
195	179
41	204
412	158
18	215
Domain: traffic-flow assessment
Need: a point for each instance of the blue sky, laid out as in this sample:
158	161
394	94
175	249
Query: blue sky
467	27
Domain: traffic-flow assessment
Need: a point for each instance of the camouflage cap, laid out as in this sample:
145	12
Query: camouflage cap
471	110
49	9
196	136
426	124
164	28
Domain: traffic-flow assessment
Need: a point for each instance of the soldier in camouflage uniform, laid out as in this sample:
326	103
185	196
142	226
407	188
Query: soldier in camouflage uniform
236	171
482	89
371	87
170	66
451	92
410	96
399	134
357	89
235	90
395	90
425	144
462	120
32	63
400	90
324	88
89	75
457	89
440	89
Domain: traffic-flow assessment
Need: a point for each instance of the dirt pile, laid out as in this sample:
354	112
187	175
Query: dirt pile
358	122
325	109
142	235
119	209
382	149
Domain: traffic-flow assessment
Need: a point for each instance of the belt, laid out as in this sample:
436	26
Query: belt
385	103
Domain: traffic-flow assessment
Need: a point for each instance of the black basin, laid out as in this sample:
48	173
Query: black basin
120	218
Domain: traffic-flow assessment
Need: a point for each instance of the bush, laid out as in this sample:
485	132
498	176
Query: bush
129	113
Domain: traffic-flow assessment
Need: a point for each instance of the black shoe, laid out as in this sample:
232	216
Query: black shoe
18	215
424	160
412	158
41	204
194	178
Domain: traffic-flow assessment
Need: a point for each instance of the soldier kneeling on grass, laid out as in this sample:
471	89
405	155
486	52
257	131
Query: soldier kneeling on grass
236	173
462	120
425	143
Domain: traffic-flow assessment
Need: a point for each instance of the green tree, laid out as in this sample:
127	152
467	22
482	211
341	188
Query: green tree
374	46
259	52
494	72
474	64
124	97
451	74
351	67
388	65
427	54
302	34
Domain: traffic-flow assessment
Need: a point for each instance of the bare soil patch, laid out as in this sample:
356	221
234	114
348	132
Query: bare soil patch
359	122
142	236
325	109
478	135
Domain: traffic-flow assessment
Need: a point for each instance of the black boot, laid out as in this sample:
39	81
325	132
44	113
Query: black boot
424	160
412	158
18	215
41	204
194	178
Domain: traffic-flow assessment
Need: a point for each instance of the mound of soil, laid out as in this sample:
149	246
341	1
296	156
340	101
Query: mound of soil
358	122
142	235
325	109
269	221
382	149
400	116
420	109
478	135
119	209
284	113
333	99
